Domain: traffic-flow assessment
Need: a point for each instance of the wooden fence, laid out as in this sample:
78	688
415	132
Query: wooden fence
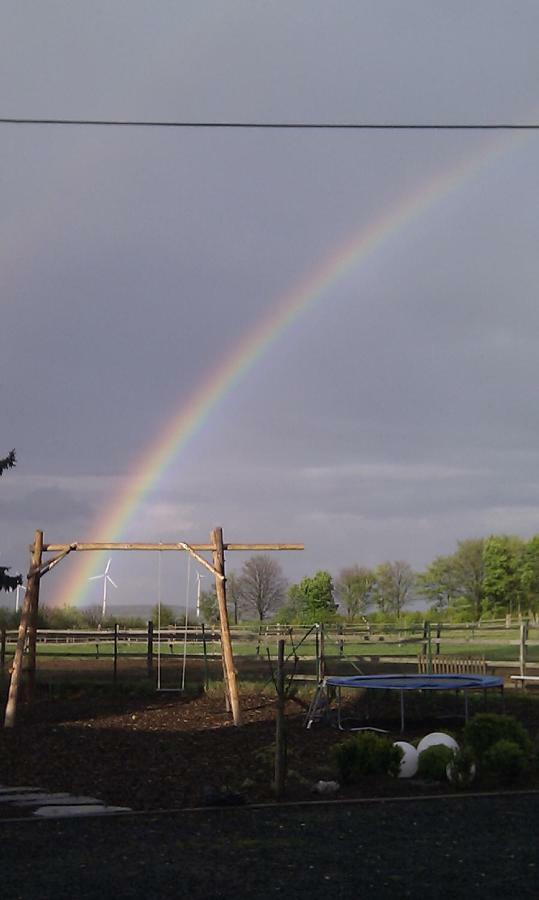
499	643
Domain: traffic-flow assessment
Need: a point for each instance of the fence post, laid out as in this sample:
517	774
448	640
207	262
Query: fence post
115	670
523	648
429	649
425	643
280	725
149	651
2	648
205	651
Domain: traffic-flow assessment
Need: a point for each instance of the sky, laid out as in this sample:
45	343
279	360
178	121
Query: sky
396	414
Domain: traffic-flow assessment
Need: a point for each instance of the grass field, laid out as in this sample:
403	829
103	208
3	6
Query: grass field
495	643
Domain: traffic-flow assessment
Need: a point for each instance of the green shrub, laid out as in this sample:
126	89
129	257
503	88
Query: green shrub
505	761
432	762
462	771
366	754
486	729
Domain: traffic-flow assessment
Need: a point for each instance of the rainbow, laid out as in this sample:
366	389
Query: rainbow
186	422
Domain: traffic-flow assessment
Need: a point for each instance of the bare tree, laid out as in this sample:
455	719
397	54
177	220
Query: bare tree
262	585
233	596
354	589
394	583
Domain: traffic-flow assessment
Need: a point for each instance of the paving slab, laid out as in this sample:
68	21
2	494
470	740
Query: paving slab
55	812
60	800
29	797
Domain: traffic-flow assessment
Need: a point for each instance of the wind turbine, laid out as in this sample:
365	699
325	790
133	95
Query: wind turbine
106	578
199	576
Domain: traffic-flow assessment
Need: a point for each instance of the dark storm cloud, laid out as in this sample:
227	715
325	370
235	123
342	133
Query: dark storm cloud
395	417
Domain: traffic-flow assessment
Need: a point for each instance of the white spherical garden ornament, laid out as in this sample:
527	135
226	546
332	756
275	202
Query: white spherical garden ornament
436	738
408	764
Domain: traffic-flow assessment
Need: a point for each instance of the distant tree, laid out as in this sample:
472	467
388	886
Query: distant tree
93	616
209	608
502	563
314	598
440	583
394	583
164	614
261	585
469	567
8	582
529	574
456	581
61	617
354	589
233	596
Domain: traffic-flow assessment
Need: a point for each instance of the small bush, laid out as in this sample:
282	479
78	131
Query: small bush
505	761
461	769
486	729
366	754
433	762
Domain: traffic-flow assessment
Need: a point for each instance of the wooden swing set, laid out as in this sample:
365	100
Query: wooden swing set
27	634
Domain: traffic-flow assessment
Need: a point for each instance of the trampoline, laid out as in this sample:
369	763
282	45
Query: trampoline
401	683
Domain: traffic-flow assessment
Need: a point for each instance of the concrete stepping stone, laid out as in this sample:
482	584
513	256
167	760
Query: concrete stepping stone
30	798
60	800
78	810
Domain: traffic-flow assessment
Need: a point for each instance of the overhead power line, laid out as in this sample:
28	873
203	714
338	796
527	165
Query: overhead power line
268	126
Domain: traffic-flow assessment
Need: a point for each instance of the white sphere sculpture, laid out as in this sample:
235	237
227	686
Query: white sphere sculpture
408	764
437	737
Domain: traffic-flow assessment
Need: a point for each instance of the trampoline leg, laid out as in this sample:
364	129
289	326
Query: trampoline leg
402	711
465	705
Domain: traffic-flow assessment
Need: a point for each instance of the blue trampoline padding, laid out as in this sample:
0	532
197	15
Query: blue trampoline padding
416	682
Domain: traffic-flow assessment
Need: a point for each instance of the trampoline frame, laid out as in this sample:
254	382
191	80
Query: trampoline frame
461	682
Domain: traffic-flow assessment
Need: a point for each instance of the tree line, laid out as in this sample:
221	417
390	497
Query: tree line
485	577
489	577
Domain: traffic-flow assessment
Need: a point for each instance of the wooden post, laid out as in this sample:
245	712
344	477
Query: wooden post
149	652
2	648
523	639
115	665
205	651
322	651
26	613
36	560
280	726
226	643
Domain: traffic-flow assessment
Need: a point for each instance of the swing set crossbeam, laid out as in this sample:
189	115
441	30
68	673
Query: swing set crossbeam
59	548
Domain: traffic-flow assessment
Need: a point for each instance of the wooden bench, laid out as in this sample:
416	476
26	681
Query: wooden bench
451	665
525	678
